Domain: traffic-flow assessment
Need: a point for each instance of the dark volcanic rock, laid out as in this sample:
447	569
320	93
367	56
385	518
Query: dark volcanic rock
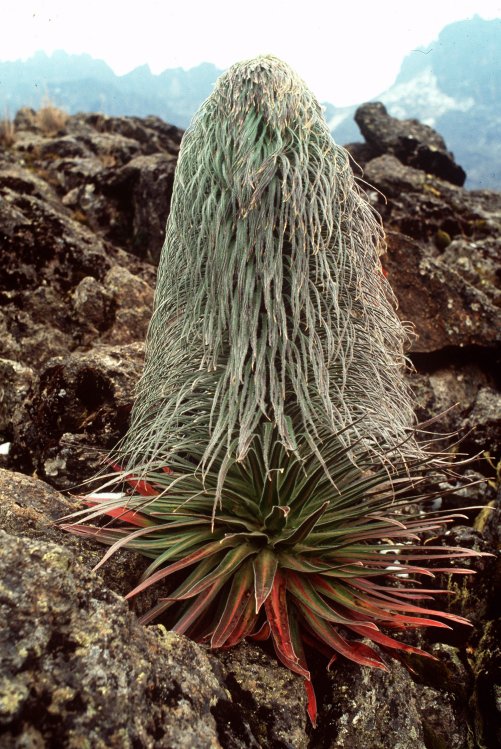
445	308
269	701
486	699
16	381
46	255
141	192
32	509
70	204
76	413
76	669
371	709
429	209
413	143
49	675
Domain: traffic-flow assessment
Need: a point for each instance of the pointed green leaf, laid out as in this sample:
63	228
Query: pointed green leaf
198	607
301	589
244	626
226	567
299	650
213	548
304	529
276	520
240	592
388	642
265	567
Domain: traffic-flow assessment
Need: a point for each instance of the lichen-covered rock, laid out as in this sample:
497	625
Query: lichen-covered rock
486	701
484	419
143	187
445	309
371	709
76	413
441	726
16	380
475	597
268	701
92	303
31	508
70	204
133	298
463	396
77	670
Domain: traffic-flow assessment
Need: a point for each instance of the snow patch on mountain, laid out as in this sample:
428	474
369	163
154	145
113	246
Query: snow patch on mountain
421	98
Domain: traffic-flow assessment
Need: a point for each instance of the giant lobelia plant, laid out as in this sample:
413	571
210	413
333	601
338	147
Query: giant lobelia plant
271	455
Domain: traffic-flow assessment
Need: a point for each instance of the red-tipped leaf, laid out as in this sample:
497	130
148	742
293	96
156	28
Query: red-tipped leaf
278	619
240	592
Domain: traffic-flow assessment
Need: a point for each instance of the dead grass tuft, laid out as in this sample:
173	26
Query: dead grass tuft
50	119
7	132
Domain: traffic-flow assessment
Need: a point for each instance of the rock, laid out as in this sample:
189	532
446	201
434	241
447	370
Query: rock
477	596
441	725
25	119
445	309
267	699
92	303
77	670
67	202
133	298
464	398
413	143
32	509
421	205
76	413
484	420
16	381
142	189
486	699
478	263
370	709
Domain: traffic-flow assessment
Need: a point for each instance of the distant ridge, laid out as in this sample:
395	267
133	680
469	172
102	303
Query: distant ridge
79	83
455	87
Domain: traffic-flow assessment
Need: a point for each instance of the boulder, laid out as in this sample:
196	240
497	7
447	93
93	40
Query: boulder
446	310
270	700
76	669
76	413
412	142
371	709
141	191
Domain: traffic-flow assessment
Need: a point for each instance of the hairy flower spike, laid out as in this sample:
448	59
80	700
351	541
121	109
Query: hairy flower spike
273	389
271	303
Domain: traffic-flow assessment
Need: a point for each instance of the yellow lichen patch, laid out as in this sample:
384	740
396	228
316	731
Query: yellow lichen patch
59	698
12	695
431	189
168	639
56	559
484	516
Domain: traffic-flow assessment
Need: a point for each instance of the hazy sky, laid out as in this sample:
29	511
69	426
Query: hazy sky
346	51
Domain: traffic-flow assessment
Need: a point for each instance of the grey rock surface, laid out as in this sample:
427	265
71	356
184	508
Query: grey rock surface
270	699
412	142
76	413
77	670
